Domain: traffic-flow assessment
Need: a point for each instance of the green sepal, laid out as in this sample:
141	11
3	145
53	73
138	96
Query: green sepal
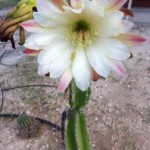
82	136
70	138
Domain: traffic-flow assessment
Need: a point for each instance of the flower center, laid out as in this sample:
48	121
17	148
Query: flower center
81	33
81	26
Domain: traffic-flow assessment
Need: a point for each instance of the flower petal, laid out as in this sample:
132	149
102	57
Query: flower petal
65	80
114	48
131	39
43	70
33	26
33	45
46	6
31	52
111	24
44	20
76	4
115	4
59	3
81	70
126	26
98	61
52	51
42	39
61	63
117	67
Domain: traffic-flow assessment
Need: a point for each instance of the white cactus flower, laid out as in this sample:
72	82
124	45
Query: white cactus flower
74	40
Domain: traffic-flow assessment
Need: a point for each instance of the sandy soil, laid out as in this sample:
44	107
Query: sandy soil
118	114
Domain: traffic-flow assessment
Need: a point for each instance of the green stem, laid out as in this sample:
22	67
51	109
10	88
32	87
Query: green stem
76	134
80	98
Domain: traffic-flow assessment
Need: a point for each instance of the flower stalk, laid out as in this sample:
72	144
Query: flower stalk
76	133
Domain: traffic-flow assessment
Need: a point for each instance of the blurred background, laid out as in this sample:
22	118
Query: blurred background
7	3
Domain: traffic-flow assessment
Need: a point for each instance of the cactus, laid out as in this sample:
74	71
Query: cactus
79	98
23	121
82	136
70	137
76	135
27	126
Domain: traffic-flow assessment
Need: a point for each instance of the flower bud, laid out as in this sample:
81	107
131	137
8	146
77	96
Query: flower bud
23	11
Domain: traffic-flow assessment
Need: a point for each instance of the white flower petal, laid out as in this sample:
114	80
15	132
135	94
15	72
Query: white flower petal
44	38
126	26
114	48
111	24
61	63
95	6
46	7
76	4
52	51
43	69
44	19
70	9
98	61
32	45
81	70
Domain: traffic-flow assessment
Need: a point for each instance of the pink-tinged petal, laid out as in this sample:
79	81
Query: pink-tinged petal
43	6
59	3
76	4
118	67
47	7
115	4
131	39
65	80
31	52
33	26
